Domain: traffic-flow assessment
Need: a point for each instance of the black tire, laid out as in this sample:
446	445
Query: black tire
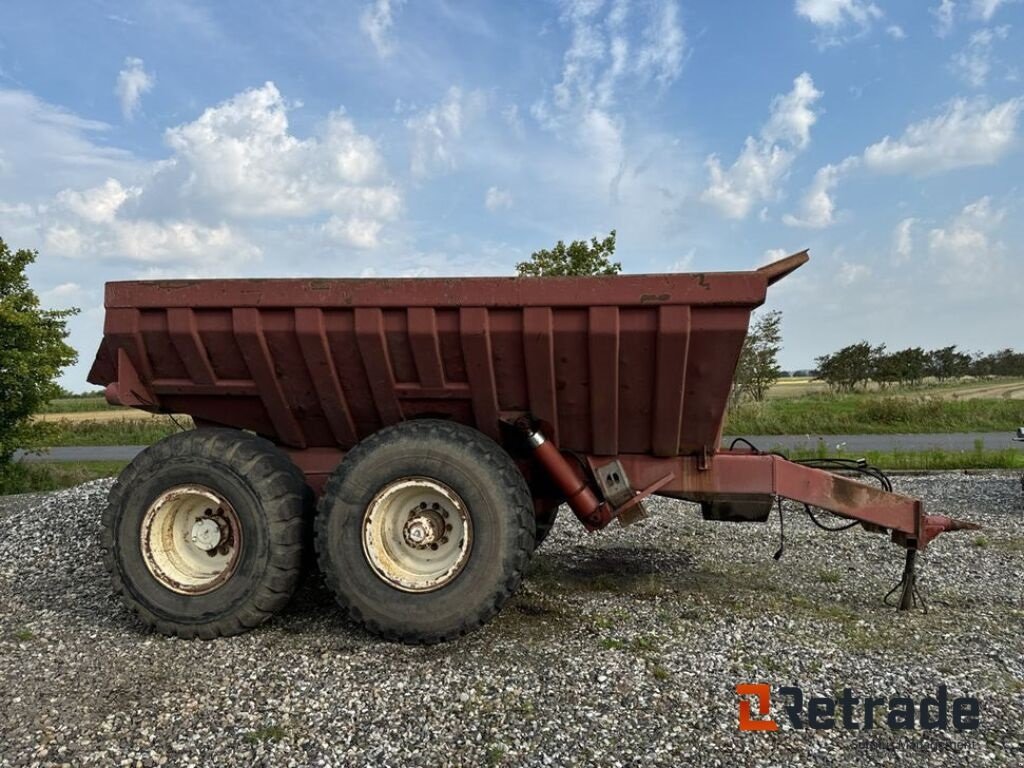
498	504
271	502
545	522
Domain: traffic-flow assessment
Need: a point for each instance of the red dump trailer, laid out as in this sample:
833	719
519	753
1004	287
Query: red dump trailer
420	434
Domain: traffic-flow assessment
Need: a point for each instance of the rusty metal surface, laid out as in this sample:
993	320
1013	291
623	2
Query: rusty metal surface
746	476
637	364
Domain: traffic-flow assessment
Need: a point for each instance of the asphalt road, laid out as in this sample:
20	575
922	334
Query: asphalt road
961	441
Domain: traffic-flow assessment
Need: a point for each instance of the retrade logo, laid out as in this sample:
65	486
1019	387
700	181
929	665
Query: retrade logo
762	694
854	712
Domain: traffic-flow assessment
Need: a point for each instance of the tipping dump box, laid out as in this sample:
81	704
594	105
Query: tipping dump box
440	422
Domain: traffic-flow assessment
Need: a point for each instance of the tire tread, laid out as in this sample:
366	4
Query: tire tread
284	496
503	471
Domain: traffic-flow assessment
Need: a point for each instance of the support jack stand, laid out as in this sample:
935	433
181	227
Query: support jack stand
910	596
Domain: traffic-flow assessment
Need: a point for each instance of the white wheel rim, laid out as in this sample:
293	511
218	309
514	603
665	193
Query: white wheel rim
191	539
417	534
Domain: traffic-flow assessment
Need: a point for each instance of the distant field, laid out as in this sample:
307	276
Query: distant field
79	405
137	429
1009	389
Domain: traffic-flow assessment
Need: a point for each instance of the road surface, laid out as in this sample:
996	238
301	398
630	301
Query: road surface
849	444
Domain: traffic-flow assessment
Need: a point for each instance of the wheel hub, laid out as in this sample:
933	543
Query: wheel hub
417	534
424	529
206	534
191	539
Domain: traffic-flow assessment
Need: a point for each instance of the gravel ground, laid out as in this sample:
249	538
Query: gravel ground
622	648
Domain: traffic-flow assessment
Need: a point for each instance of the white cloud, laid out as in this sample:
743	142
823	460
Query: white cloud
766	160
968	234
19	210
684	263
834	18
435	133
944	14
86	225
660	55
497	198
133	81
974	62
895	31
792	114
968	133
817	208
603	53
903	239
359	233
605	56
965	248
510	115
62	294
47	148
850	273
203	248
98	204
239	160
376	22
836	13
986	9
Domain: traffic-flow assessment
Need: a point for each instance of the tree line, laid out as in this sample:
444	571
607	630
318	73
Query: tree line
853	366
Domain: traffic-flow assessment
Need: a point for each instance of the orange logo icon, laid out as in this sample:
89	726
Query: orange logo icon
763	694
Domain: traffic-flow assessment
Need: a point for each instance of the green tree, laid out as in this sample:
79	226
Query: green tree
851	366
758	367
577	258
909	365
948	363
33	351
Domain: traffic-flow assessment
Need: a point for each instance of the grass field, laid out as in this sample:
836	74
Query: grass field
824	414
80	405
143	429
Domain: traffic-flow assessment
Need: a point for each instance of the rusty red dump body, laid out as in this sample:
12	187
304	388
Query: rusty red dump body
638	364
635	369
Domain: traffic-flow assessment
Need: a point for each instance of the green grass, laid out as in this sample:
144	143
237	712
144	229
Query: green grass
37	476
873	414
979	458
78	405
495	754
659	672
113	432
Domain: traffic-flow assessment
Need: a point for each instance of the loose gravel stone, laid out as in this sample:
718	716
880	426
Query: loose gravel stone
621	649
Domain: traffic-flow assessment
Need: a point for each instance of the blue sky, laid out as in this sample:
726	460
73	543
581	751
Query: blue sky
380	137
